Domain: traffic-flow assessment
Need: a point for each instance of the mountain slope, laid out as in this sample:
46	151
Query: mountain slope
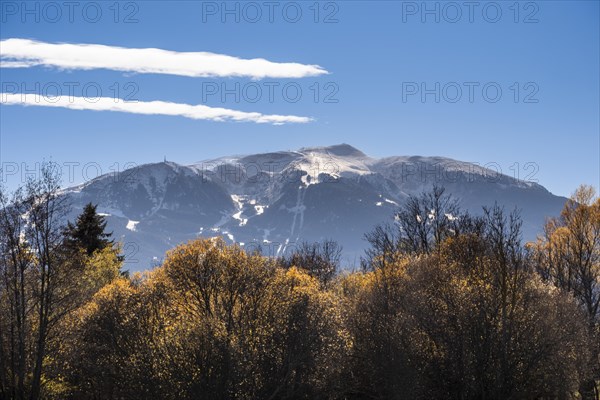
275	200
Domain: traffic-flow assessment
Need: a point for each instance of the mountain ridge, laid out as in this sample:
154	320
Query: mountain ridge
277	199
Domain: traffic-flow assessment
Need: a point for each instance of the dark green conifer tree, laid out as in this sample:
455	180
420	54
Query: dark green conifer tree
88	232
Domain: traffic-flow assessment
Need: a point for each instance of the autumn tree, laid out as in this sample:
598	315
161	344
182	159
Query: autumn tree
320	260
212	322
468	320
43	281
112	347
35	287
568	256
273	330
420	225
15	318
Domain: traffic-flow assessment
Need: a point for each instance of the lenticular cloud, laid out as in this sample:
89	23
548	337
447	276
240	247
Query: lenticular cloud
25	53
198	112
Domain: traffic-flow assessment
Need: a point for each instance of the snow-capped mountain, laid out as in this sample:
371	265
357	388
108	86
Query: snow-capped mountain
276	200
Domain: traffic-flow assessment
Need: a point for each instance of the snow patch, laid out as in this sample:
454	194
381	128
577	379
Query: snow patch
315	163
229	235
110	212
238	201
260	209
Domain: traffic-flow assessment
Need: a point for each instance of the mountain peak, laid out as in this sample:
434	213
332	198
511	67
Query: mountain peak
340	150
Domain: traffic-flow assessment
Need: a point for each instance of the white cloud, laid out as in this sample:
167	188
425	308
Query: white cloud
24	53
201	112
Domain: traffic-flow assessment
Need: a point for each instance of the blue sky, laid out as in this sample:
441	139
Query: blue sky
375	53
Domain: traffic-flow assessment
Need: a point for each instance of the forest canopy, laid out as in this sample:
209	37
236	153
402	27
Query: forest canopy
445	305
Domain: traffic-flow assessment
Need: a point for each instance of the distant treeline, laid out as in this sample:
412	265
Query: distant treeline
445	305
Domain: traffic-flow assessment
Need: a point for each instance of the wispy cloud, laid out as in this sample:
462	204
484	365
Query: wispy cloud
198	112
24	53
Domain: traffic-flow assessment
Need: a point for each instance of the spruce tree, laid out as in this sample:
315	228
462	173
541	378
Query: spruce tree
88	232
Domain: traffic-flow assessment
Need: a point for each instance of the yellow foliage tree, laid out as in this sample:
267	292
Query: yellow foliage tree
568	256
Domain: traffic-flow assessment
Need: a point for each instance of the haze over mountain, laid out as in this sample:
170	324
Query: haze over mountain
275	200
